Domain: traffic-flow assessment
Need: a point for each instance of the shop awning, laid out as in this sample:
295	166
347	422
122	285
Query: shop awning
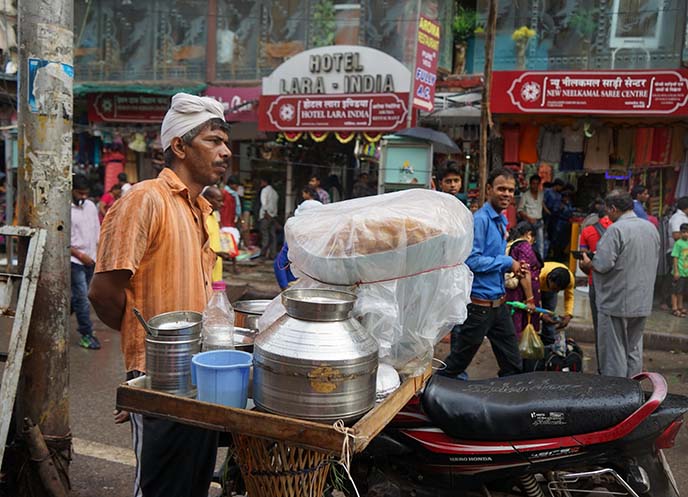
159	89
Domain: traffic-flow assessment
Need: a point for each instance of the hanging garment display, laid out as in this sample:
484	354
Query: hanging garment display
528	143
682	183
661	147
574	139
138	144
571	161
511	135
643	147
679	141
598	148
550	144
623	151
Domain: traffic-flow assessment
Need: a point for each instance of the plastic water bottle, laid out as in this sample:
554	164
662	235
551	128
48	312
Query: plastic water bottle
560	344
218	321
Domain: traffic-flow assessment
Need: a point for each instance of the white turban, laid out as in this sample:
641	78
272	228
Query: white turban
186	112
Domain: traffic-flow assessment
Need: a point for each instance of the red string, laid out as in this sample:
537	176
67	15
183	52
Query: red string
359	283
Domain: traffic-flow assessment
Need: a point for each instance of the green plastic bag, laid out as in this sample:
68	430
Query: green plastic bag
531	346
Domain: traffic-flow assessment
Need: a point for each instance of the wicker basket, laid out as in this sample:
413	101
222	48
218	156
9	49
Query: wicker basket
273	468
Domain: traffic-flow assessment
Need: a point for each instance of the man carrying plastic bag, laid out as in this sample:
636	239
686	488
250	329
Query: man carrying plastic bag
487	313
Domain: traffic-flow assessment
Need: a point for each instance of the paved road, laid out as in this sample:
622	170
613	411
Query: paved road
103	461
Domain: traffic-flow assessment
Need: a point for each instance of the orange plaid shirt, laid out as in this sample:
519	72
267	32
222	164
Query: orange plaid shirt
157	232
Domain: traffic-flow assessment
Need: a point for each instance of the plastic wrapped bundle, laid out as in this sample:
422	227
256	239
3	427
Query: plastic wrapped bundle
402	253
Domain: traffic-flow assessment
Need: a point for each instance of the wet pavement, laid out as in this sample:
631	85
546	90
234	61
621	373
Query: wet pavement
660	321
103	464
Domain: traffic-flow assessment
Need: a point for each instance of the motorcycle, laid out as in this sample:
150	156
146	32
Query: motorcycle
536	434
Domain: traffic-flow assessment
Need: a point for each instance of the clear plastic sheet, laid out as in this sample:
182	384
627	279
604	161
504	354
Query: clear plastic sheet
402	254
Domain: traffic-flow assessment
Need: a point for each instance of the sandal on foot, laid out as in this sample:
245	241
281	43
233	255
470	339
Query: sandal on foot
677	313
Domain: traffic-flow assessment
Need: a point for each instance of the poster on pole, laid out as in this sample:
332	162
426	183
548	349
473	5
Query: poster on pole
425	71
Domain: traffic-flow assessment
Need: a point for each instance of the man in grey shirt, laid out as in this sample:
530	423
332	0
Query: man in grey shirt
624	270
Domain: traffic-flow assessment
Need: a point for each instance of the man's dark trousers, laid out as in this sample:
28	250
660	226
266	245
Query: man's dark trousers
549	301
482	321
81	279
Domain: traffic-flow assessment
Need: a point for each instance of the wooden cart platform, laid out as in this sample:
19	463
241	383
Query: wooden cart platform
132	396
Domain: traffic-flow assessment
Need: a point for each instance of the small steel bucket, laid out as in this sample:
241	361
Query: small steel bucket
173	339
247	313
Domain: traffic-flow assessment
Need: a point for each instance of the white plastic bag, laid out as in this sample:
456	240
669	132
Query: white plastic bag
402	254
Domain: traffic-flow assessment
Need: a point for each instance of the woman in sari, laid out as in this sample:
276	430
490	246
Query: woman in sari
520	248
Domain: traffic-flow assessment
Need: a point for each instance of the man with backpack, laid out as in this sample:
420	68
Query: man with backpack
589	237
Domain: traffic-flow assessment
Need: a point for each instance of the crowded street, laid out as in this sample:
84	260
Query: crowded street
343	248
104	462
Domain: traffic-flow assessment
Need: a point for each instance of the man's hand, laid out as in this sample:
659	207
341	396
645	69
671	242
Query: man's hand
86	260
586	263
120	416
676	277
564	322
516	268
548	318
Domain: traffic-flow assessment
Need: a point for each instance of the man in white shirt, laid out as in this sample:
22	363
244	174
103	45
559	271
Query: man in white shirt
268	214
530	210
84	246
677	219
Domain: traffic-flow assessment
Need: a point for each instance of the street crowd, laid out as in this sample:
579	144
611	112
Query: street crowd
134	242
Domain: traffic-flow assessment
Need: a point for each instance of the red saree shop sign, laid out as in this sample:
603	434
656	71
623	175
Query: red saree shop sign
127	107
590	92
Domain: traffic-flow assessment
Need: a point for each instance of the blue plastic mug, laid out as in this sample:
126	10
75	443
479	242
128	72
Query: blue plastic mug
222	376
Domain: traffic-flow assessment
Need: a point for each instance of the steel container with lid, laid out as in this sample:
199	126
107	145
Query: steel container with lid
316	362
247	313
172	339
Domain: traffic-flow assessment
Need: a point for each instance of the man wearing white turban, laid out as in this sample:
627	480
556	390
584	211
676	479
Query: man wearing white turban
154	255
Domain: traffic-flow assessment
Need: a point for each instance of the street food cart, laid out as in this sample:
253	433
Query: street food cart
279	456
395	262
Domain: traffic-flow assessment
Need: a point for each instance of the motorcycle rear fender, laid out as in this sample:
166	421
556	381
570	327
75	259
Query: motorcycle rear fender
673	408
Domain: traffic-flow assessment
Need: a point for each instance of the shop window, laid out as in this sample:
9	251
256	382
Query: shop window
390	26
284	25
181	39
125	40
347	23
584	34
238	32
684	58
256	37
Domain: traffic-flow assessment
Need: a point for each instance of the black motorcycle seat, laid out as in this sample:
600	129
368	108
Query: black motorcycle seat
529	406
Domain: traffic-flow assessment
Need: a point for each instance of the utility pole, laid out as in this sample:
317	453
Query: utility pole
46	46
485	114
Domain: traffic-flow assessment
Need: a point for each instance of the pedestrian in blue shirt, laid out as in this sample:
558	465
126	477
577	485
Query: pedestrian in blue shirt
640	194
487	313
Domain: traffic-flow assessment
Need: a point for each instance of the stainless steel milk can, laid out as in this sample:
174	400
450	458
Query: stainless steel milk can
316	362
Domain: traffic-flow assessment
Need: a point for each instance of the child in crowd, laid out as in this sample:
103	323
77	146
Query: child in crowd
679	284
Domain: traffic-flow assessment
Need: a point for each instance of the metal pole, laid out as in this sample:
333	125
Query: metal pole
9	181
485	114
44	132
289	195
